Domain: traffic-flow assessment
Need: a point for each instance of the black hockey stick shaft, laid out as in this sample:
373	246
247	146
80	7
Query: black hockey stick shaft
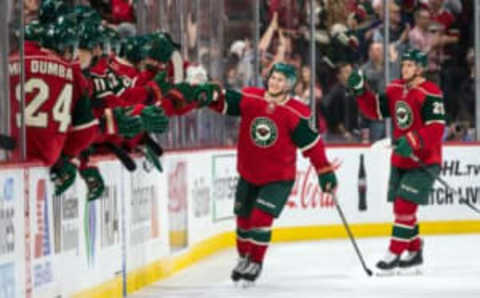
425	168
153	145
123	156
350	235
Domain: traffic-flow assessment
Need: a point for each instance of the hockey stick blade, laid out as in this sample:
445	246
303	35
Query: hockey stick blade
123	156
7	142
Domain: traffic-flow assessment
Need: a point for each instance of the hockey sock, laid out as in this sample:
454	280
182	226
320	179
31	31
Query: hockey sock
261	233
416	243
405	227
243	235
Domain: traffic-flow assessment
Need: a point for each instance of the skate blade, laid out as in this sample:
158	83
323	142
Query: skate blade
417	270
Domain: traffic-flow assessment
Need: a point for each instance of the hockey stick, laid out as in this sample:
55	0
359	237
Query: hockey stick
7	142
123	156
424	168
153	145
350	235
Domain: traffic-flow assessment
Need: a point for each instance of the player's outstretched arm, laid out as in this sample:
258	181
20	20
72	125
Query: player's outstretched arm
223	101
373	106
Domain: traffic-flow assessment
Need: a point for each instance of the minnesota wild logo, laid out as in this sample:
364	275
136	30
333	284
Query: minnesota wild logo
263	132
403	115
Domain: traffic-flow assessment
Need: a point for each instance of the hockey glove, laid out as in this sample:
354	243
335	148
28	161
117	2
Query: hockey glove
186	90
356	82
63	174
328	182
153	158
407	144
128	125
206	93
94	181
154	119
161	81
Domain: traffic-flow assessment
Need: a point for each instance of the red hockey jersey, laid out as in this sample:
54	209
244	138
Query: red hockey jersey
54	104
270	135
417	112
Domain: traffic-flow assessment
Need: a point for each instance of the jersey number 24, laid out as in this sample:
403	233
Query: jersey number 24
36	118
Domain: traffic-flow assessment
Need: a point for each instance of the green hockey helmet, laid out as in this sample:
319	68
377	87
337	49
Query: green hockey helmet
132	48
51	9
160	46
90	35
287	70
34	31
62	35
86	14
417	56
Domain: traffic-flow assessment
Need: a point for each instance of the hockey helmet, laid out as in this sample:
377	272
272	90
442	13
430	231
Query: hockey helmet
50	9
287	70
132	48
90	35
416	56
87	14
62	35
34	31
160	47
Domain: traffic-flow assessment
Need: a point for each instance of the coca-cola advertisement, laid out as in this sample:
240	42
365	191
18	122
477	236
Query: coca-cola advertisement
306	192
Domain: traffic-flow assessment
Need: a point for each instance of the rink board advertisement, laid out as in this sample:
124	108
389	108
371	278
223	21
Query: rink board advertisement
12	262
149	225
146	216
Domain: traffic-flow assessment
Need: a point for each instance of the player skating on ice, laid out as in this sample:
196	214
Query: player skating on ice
416	107
273	125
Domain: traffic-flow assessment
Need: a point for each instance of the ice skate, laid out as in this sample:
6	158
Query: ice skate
411	263
388	265
242	264
250	274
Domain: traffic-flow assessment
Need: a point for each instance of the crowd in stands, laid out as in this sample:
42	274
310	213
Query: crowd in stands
349	34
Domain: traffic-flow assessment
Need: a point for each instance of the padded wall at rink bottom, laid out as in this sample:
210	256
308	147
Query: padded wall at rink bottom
149	225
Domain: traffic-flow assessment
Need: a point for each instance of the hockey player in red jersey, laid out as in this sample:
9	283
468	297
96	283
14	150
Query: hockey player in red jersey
273	125
416	107
58	116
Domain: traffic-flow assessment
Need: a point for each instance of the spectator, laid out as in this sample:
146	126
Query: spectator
398	36
342	112
422	38
467	94
373	70
445	47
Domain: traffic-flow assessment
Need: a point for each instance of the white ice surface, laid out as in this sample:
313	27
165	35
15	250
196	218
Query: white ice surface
331	269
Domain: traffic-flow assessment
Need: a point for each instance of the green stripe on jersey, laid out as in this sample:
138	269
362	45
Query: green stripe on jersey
232	100
303	136
433	109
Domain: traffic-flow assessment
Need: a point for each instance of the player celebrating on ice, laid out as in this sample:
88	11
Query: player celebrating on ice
272	126
416	107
